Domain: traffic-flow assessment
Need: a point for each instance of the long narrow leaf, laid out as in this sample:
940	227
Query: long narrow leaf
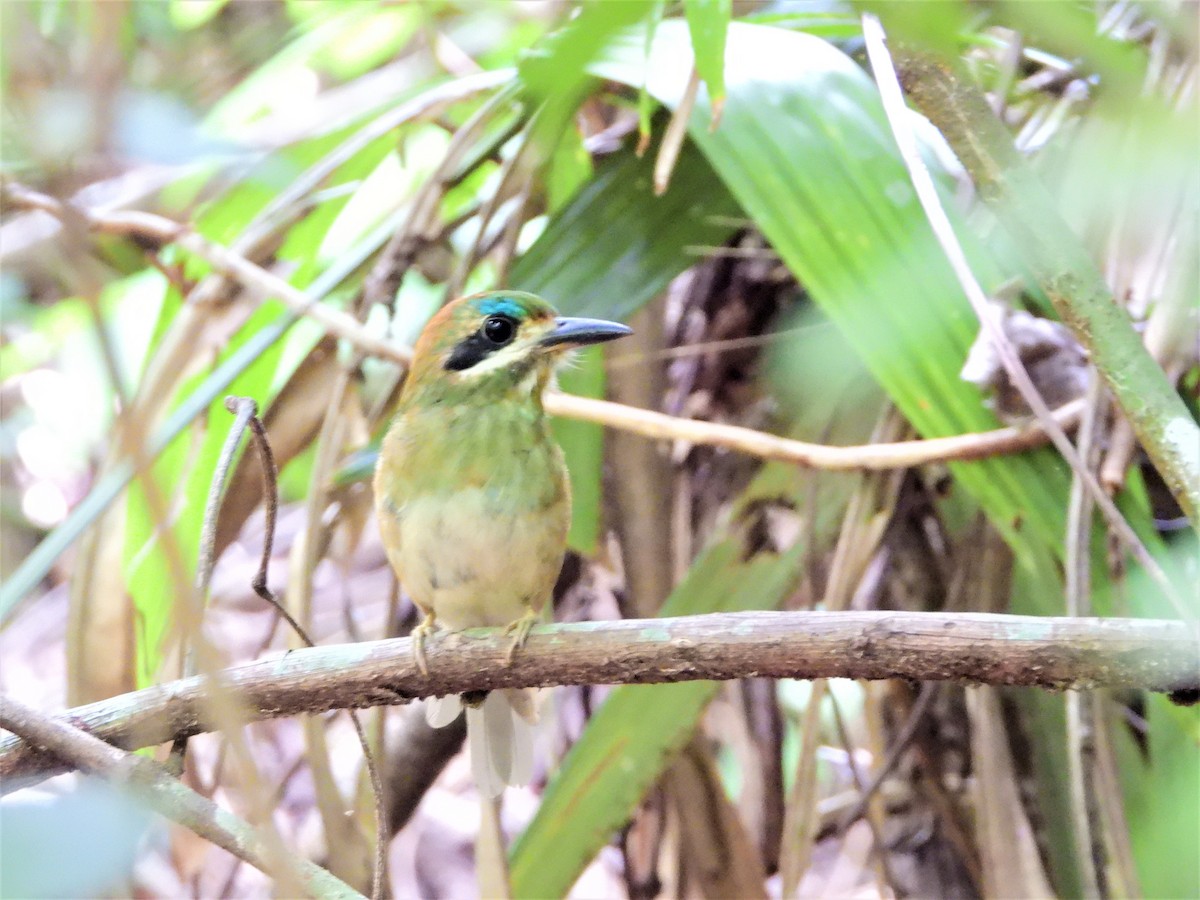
805	149
708	23
633	736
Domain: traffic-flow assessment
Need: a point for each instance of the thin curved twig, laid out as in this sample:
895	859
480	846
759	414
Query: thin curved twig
246	411
865	457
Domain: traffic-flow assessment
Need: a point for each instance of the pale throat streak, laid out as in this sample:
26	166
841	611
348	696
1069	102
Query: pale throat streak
477	505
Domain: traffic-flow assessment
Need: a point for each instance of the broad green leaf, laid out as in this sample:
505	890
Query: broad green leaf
632	737
708	23
615	246
1161	790
569	169
805	148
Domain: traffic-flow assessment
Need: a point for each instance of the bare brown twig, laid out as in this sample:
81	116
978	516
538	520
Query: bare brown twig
868	457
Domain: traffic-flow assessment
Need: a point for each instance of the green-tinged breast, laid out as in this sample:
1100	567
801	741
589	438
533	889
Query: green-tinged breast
505	448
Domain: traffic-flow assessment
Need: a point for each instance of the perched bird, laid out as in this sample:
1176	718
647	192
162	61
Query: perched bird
472	495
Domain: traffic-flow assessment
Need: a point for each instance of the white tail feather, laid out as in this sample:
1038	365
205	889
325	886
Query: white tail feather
500	741
522	752
441	711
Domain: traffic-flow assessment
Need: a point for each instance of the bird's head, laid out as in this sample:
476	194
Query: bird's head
499	342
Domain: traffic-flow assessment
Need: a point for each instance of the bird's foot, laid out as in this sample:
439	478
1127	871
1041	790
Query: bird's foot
418	636
520	631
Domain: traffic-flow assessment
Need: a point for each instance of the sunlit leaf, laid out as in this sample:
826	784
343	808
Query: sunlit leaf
615	245
570	168
189	14
708	23
368	35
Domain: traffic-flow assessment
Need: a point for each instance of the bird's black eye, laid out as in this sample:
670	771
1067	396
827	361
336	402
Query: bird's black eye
499	330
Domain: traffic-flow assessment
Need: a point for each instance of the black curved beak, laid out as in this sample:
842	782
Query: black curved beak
569	333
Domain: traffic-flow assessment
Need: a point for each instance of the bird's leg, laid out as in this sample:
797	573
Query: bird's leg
521	628
418	636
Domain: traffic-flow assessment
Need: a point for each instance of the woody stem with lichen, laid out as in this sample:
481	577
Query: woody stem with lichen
979	648
1062	267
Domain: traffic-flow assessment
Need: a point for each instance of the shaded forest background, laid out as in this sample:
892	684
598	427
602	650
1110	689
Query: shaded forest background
722	177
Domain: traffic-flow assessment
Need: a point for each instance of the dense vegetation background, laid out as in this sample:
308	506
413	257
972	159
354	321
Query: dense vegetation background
751	216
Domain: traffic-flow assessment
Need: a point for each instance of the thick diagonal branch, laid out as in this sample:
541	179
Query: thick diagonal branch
1055	653
1062	267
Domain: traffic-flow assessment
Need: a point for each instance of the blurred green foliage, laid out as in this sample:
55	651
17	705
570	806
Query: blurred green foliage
802	155
81	843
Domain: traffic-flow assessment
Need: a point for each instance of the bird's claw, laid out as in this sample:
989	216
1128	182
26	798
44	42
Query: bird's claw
521	627
418	635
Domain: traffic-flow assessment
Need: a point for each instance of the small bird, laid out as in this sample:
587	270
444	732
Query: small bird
473	499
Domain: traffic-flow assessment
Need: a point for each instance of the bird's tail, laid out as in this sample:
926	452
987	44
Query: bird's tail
499	735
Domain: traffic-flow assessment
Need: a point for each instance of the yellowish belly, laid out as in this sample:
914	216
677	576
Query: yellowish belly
472	564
